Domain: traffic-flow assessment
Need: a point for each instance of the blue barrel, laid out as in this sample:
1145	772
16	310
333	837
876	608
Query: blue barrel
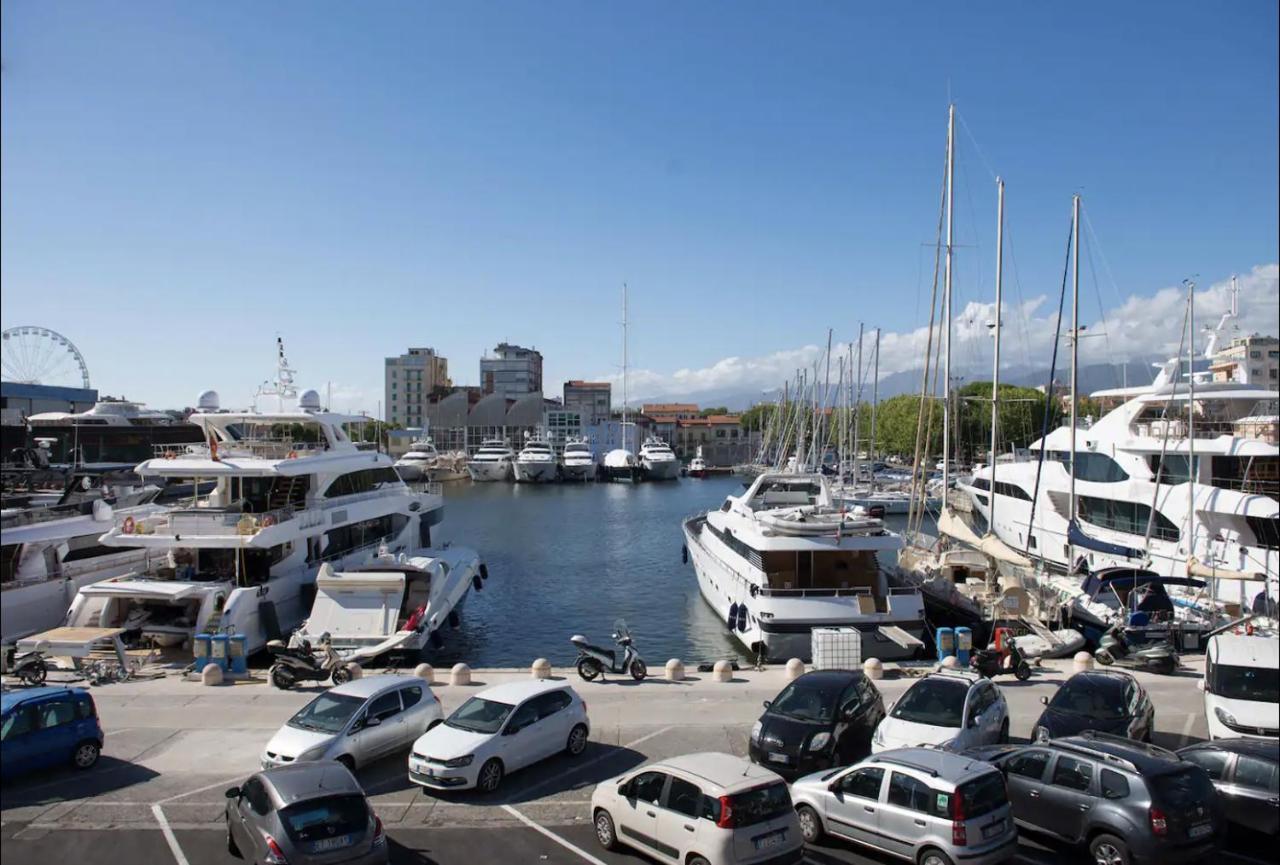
237	658
200	649
946	642
964	645
218	651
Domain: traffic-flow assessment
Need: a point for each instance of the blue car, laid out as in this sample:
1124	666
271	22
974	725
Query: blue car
41	728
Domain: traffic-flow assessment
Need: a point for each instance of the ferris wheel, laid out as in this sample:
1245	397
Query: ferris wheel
38	355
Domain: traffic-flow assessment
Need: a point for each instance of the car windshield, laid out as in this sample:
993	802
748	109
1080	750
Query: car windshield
932	702
328	713
479	715
805	702
1082	696
1182	789
1260	684
322	819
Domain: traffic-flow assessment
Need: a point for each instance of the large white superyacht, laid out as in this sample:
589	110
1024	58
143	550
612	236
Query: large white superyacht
577	463
781	559
658	461
492	462
536	462
290	492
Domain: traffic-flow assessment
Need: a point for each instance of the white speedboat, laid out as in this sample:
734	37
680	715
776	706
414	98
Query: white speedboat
536	462
492	462
782	559
394	603
291	491
577	463
658	461
418	461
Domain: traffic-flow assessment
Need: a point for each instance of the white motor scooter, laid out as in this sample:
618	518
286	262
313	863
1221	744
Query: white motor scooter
595	661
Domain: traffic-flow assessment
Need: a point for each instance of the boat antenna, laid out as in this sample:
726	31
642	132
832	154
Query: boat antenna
946	303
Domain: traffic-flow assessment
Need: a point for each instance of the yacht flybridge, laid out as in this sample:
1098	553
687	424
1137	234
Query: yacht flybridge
577	463
536	462
290	492
493	462
658	461
782	559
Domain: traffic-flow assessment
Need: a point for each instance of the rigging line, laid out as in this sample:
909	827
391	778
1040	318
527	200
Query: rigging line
1102	253
1164	439
976	148
1017	290
1049	399
1102	313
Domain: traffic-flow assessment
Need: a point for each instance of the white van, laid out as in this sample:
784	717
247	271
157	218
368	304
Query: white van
1242	686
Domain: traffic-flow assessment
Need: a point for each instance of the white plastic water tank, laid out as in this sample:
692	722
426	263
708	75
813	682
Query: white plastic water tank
836	648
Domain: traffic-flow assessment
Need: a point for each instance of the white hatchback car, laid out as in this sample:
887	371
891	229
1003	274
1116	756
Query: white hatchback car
699	809
955	708
498	731
356	723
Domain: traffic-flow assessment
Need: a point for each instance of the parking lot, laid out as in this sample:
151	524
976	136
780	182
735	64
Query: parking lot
173	747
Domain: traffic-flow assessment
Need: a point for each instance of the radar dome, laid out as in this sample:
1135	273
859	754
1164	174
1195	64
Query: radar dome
207	401
309	401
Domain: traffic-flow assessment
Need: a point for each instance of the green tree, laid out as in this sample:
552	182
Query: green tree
708	412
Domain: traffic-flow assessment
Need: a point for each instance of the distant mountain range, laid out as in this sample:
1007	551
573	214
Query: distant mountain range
1091	378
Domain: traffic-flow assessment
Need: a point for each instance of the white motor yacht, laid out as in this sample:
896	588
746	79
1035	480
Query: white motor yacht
290	492
658	461
536	462
492	462
782	559
577	463
418	461
698	465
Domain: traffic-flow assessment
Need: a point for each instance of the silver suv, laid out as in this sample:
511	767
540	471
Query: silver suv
922	804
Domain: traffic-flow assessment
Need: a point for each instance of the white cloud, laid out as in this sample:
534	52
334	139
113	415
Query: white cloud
1140	327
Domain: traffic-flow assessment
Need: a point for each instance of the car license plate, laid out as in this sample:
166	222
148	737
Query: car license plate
775	757
331	844
773	839
1200	830
991	830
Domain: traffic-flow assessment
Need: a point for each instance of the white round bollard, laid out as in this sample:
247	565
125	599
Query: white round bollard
950	662
873	668
722	672
541	669
1082	661
795	669
460	675
211	675
425	672
355	670
675	670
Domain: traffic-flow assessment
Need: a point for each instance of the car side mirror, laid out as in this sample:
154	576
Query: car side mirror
768	703
511	730
1044	701
624	789
232	793
373	721
848	712
975	720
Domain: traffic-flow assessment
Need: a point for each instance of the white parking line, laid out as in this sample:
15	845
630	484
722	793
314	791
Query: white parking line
169	836
1186	729
553	836
174	798
593	761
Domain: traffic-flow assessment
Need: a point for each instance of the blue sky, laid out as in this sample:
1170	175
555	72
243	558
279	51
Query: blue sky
181	182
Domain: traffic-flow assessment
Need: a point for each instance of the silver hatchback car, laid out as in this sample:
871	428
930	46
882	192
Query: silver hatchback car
306	814
928	806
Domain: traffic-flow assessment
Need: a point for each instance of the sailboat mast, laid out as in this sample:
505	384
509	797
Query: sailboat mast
624	366
857	407
1191	428
1075	354
875	400
995	365
946	305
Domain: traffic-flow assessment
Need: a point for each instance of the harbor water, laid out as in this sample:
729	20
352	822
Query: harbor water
569	559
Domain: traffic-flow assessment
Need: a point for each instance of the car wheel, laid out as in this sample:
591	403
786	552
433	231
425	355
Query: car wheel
933	856
698	860
231	844
605	832
810	824
1004	731
490	775
577	740
85	754
1109	850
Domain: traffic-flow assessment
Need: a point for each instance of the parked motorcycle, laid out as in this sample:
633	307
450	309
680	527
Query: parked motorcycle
31	667
996	662
299	662
595	661
1114	648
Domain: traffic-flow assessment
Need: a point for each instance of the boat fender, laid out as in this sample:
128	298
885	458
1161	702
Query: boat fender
477	582
684	555
733	616
742	617
755	591
484	571
454	619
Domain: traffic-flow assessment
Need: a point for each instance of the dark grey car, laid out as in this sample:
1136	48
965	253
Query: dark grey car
304	814
1246	774
1123	800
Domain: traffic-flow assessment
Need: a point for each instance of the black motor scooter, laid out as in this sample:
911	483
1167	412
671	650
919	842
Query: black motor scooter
994	662
1114	649
298	662
30	668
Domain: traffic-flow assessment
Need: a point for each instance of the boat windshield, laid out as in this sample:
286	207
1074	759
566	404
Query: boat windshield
932	702
479	715
328	713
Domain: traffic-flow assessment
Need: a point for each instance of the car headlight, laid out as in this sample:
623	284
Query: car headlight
878	736
819	741
1225	717
459	762
755	731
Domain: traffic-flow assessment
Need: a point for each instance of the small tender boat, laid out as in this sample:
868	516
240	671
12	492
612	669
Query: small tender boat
809	521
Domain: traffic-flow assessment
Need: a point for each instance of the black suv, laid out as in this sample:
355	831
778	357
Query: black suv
822	719
1124	800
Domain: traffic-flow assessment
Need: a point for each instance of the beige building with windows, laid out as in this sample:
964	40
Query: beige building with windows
1249	360
411	379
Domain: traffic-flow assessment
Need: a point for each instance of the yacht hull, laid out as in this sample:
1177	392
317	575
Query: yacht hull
410	472
488	472
661	470
535	472
578	471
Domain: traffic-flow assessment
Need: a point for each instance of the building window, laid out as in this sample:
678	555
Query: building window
1255	354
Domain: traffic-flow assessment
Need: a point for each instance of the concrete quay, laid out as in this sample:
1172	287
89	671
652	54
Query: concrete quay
173	746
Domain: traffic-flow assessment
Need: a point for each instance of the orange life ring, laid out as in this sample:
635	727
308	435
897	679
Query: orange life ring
129	525
292	455
268	521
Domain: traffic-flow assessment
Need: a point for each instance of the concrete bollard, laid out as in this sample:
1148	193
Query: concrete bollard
722	672
675	670
873	668
1082	661
460	675
355	670
541	669
211	675
950	662
795	669
425	672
